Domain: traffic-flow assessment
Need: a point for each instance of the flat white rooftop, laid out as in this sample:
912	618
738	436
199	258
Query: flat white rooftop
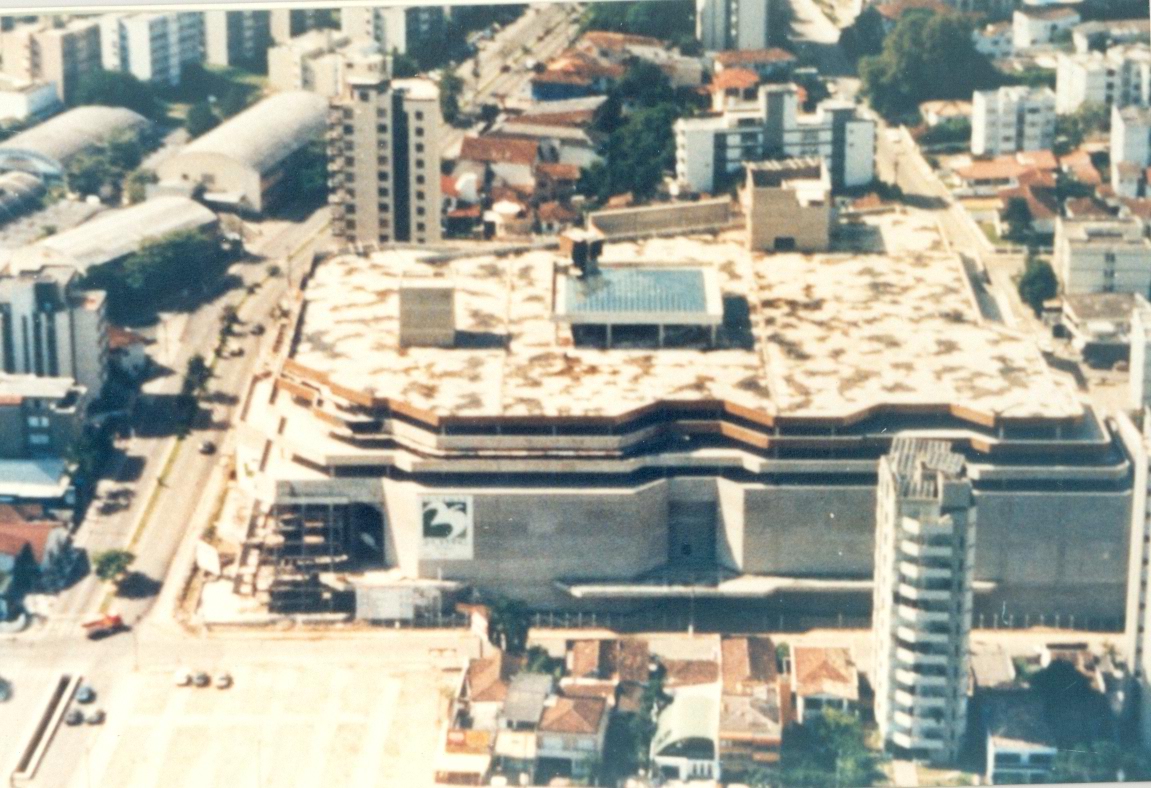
823	336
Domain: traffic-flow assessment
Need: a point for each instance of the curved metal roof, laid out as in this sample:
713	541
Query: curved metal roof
112	234
19	193
48	146
265	134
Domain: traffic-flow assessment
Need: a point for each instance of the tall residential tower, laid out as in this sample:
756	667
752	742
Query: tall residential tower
384	159
924	565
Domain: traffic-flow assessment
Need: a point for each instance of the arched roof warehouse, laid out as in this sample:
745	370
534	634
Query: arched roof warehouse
20	192
112	235
46	148
265	134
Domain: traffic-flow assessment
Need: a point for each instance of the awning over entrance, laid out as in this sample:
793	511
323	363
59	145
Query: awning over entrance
735	587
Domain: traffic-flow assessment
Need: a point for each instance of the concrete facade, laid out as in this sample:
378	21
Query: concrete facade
384	162
1120	76
235	37
770	126
39	416
788	206
395	29
152	47
733	24
1102	256
1012	119
59	56
50	328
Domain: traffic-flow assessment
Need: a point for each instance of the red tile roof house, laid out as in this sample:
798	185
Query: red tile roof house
571	732
126	348
505	159
35	551
769	64
823	678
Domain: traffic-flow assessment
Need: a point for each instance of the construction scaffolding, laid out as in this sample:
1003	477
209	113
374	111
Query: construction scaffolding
296	553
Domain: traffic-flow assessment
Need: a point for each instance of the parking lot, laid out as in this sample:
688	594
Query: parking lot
277	726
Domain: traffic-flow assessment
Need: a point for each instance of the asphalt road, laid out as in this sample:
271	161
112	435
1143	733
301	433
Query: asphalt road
541	33
33	659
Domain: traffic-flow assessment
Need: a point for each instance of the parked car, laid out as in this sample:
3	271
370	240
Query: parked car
85	694
105	626
207	447
183	678
258	330
201	679
74	717
5	690
96	717
223	680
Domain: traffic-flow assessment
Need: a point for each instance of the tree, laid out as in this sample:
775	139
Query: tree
196	375
927	56
864	37
508	625
404	65
136	184
117	89
451	85
1017	217
1038	284
201	119
308	176
112	564
828	750
233	99
88	172
668	20
1089	120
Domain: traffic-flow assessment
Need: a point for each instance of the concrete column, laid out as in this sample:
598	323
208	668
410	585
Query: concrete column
609	335
661	334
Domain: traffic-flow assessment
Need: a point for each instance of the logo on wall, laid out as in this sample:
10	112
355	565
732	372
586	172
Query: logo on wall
447	527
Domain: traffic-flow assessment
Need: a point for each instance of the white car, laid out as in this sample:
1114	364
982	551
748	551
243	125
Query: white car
183	678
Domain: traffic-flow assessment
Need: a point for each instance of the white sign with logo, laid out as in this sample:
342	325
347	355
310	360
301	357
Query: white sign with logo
446	527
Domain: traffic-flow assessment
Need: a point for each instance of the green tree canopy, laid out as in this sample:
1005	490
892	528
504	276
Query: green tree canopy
201	119
1017	217
112	564
828	750
117	89
404	65
1038	284
927	56
668	19
451	86
508	625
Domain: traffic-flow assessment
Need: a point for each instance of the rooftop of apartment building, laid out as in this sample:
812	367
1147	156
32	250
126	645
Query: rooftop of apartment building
14	389
823	336
1049	13
753	57
1104	232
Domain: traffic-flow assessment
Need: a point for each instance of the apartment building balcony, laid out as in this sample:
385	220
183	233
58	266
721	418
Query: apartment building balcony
920	617
926	570
908	657
923	635
910	678
914	549
912	527
910	741
918	593
919	705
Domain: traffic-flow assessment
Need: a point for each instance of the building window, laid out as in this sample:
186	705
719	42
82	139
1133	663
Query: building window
419	115
420	210
419	147
382	128
39	440
419	131
419	164
384	191
348	128
385	206
420	196
384	176
420	227
365	95
37	421
420	180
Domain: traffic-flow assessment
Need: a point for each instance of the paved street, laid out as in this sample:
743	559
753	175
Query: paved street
540	34
170	469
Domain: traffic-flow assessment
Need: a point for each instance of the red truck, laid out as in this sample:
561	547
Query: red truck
105	626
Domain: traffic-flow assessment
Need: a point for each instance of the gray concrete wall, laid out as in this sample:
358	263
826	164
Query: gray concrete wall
809	531
1052	553
525	540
